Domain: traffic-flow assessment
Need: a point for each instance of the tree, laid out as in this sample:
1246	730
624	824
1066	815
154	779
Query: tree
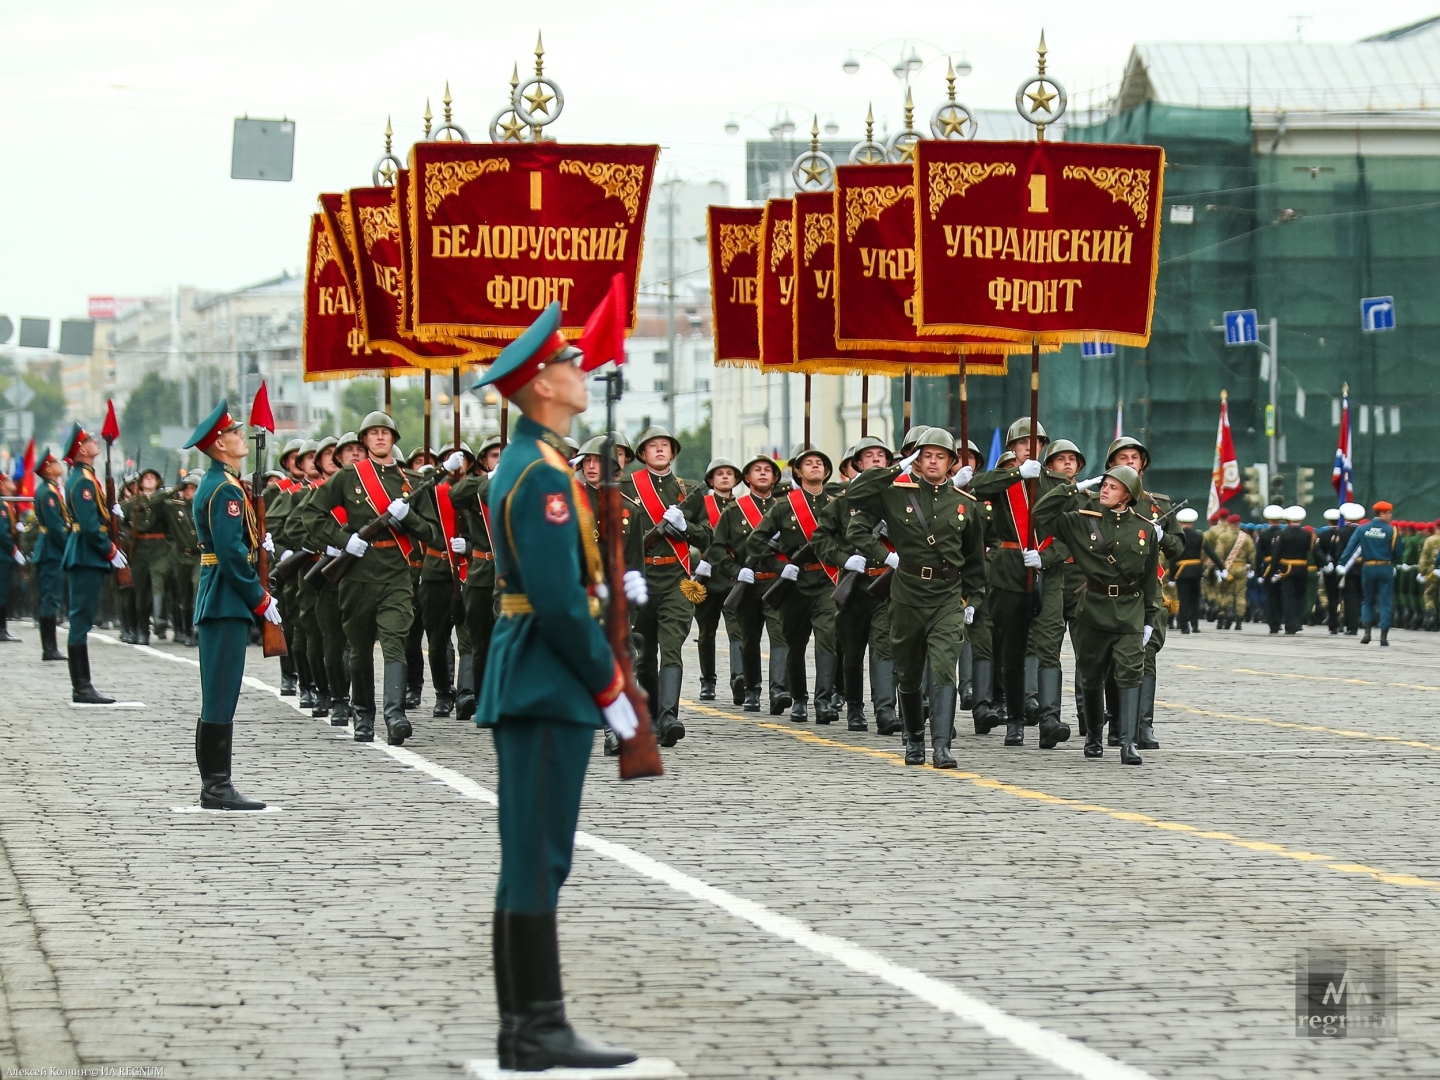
407	409
152	405
695	449
48	404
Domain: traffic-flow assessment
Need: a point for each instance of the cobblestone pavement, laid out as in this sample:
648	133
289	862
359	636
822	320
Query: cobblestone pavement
787	901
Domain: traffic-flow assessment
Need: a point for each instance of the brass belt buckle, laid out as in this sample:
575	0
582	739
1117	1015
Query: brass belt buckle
1112	590
927	573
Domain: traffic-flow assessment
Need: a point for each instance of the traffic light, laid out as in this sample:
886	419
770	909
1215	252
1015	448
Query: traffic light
1304	486
1257	484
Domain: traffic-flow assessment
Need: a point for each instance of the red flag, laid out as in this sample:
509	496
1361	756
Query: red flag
260	415
603	339
111	431
1225	481
27	478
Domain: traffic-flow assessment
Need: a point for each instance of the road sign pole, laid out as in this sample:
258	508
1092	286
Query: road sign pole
1274	393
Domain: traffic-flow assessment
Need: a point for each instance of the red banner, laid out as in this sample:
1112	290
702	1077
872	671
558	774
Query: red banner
1059	241
734	237
501	230
370	224
776	284
333	344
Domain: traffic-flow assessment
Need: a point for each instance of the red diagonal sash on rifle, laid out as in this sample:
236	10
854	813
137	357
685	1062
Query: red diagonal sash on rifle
447	526
1020	510
655	507
379	501
803	515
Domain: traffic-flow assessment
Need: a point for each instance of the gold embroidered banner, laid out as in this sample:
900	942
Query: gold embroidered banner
734	238
500	230
1049	241
776	286
369	220
332	344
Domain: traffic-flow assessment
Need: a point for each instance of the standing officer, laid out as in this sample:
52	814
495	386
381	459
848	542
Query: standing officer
1374	545
807	604
185	555
89	556
1187	571
721	476
552	681
53	516
376	596
666	536
729	559
10	555
1290	556
939	579
1265	541
1119	552
228	599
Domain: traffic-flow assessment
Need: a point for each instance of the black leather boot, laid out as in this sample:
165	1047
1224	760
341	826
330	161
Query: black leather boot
1080	706
48	649
668	728
912	716
212	755
984	712
612	743
1047	695
1385	635
339	712
397	724
363	703
780	699
1145	730
752	699
966	694
1094	723
825	708
882	696
737	673
1129	721
444	703
543	1037
504	1002
81	689
942	726
1112	714
1366	639
855	716
707	688
5	636
1032	691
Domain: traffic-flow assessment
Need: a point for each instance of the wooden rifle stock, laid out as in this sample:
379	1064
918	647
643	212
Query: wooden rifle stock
846	588
336	569
639	754
272	636
315	576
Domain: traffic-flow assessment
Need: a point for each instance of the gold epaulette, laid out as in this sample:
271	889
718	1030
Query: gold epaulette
962	491
1091	513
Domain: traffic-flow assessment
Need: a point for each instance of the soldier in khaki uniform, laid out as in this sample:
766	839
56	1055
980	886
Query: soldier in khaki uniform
150	553
185	555
348	450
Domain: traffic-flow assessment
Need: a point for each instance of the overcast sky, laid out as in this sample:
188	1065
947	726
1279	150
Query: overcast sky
116	117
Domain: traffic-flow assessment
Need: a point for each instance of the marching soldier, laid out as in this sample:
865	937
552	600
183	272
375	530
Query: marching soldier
89	556
1186	571
10	555
348	450
1062	458
53	516
1427	574
1264	550
316	461
468	497
185	554
488	456
665	536
939	579
229	598
1290	557
1014	609
729	560
442	582
376	596
721	476
1230	553
864	621
1118	550
807	604
553	682
1373	546
150	553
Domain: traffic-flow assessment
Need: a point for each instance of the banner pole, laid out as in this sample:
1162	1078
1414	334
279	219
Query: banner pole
455	404
807	409
1032	485
425	448
504	422
864	405
909	380
387	397
964	412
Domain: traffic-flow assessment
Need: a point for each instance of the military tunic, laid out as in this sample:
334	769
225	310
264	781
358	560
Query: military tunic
728	554
88	550
185	558
53	516
664	623
705	506
865	622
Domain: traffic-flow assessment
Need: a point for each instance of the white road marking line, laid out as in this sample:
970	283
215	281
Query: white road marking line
109	705
1049	1046
230	813
643	1069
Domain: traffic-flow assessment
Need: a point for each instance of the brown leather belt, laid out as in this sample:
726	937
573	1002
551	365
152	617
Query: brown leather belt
483	556
661	560
151	536
761	576
384	543
1012	545
876	571
1112	591
929	573
812	566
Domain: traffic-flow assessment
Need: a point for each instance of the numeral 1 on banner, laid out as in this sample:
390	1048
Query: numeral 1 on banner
535	190
1037	194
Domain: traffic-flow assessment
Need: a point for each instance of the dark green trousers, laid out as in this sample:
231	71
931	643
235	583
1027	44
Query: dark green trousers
375	611
311	639
332	634
51	579
222	666
480	622
663	625
541	765
85	585
436	604
933	631
1107	654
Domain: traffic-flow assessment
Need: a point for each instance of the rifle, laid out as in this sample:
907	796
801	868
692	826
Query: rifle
777	593
336	569
290	565
315	576
639	754
737	593
846	588
272	635
879	587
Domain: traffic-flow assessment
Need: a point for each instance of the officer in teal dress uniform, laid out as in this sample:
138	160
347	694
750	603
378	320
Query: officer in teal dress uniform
550	682
53	516
229	598
89	556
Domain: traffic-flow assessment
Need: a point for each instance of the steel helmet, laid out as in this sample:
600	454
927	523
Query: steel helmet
1063	446
1020	429
1129	478
1124	441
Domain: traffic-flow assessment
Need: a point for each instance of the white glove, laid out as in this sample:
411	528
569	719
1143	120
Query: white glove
892	560
969	614
637	590
1145	637
331	550
118	560
1159	532
119	514
1086	485
620	717
1031	557
269	545
19	557
455	462
1251	573
963	477
906	464
1222	575
1418	577
355	546
1030	470
746	576
791	572
574	462
703	569
1329	568
272	611
1275	579
675	517
1435	573
457	545
397	509
855	563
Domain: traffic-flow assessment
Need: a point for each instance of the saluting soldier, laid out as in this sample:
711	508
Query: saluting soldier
551	682
89	557
1290	557
939	580
666	536
864	622
179	519
227	602
721	477
53	516
1118	550
376	596
729	560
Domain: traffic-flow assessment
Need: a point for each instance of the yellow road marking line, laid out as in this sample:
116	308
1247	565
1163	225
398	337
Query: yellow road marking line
1329	862
1344	733
1312	678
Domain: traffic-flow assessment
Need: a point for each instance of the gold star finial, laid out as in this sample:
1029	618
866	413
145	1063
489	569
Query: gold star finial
387	174
539	100
1040	98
